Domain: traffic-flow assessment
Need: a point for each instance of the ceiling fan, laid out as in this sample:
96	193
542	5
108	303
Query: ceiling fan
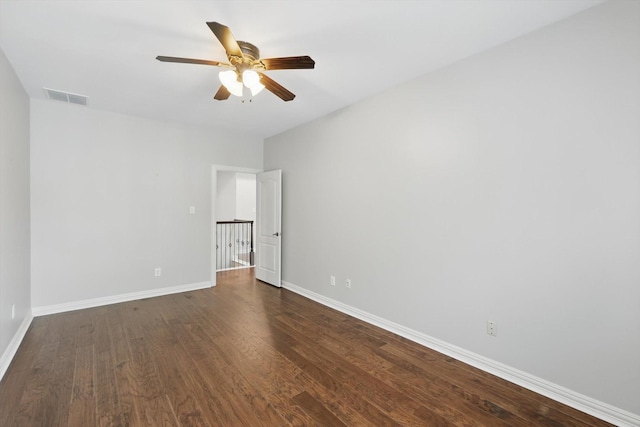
245	68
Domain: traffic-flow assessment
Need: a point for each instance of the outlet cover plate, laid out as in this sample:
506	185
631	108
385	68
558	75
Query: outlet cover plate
492	328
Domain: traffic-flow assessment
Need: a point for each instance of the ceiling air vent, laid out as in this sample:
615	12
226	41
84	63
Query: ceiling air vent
71	98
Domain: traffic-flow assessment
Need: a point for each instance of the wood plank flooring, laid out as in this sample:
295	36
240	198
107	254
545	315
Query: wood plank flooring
248	354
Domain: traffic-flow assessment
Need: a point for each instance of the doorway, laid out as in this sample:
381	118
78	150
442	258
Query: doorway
229	207
235	217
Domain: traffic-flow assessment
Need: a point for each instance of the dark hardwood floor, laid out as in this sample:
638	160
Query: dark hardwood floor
248	354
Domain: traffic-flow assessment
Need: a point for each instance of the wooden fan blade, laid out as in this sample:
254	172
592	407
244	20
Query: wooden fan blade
223	33
274	87
289	63
222	93
191	61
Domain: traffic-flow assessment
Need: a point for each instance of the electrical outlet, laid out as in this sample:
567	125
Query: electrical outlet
333	280
492	328
192	209
347	283
158	272
13	311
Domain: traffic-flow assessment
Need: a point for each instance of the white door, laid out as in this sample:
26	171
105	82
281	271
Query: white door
268	223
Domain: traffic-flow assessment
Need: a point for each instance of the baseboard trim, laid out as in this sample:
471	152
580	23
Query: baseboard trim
96	302
11	350
546	388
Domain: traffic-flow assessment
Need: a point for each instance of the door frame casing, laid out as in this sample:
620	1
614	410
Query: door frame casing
214	192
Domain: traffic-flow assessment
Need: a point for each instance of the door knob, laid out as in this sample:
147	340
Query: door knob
276	234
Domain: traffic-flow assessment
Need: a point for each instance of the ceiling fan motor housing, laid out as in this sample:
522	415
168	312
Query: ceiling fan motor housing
250	59
249	50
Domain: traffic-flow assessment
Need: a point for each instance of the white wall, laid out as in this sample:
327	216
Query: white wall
226	195
246	196
110	201
14	208
505	187
235	196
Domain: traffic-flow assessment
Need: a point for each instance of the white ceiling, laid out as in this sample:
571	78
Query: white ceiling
106	50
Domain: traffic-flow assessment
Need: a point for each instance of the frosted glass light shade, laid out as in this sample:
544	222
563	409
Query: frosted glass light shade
229	79
251	79
256	89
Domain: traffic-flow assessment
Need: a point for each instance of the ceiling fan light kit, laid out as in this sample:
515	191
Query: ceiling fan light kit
250	79
245	68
